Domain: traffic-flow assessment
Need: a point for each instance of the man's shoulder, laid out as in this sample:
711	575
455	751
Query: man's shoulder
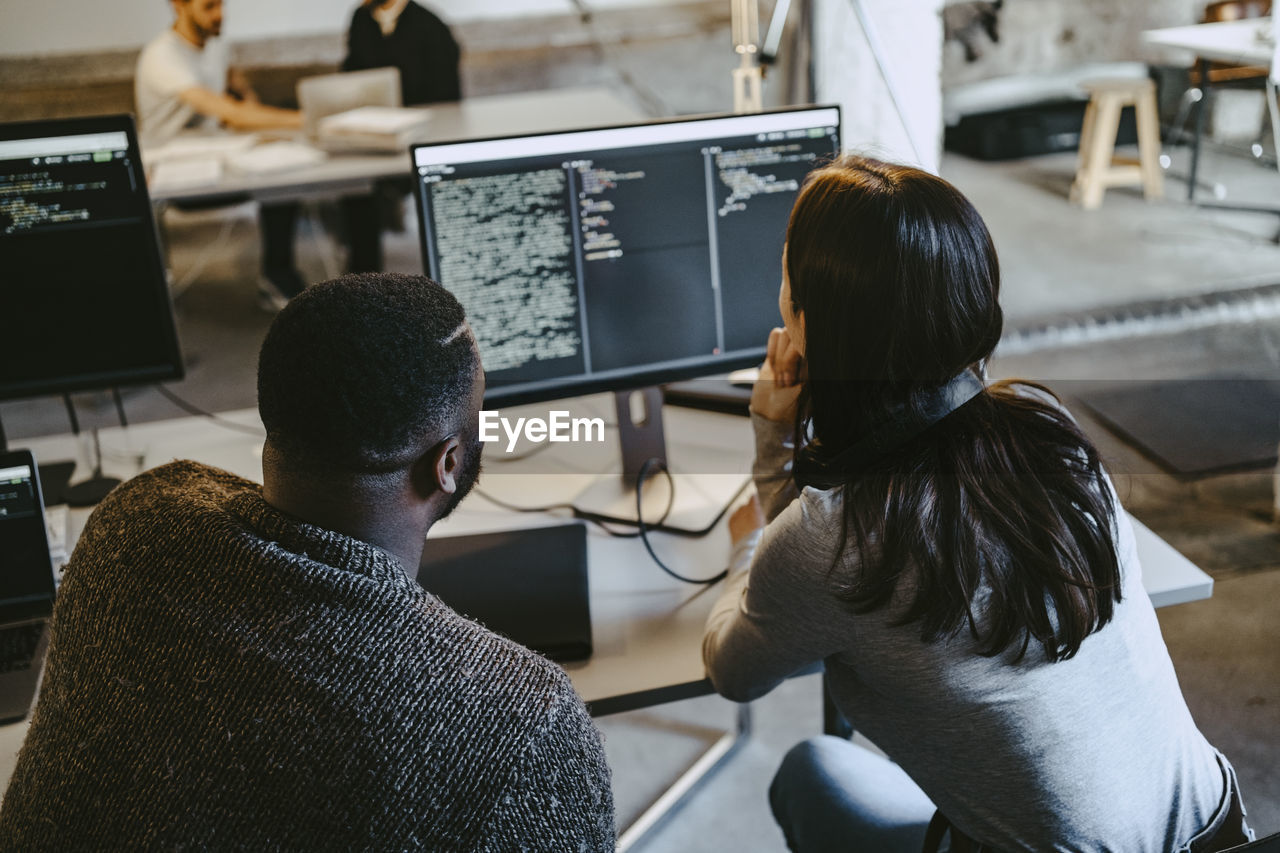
168	54
160	49
161	490
417	11
494	664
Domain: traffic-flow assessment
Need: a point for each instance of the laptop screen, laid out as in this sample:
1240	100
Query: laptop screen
530	585
26	573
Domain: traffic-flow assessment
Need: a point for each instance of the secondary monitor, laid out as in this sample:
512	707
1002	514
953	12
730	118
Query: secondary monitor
618	257
82	288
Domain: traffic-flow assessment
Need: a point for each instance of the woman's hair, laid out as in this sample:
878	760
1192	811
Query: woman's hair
999	514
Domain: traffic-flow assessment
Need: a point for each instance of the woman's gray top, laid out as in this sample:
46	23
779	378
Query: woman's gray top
1094	753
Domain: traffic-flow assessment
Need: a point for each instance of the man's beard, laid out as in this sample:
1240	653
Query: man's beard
468	476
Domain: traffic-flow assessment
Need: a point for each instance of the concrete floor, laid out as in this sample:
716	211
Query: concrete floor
1058	262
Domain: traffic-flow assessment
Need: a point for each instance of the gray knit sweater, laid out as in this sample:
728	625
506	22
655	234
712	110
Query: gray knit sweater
222	676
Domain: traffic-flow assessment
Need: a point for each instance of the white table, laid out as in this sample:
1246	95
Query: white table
647	628
473	118
1237	42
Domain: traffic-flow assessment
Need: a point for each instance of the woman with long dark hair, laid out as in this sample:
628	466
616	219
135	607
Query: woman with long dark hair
955	554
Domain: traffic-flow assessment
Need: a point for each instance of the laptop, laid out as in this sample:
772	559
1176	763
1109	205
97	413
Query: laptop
529	585
26	584
329	94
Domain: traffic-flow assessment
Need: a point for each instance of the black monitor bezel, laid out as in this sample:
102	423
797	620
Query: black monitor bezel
641	377
172	367
41	608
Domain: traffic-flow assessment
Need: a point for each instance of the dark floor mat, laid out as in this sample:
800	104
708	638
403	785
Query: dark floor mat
1194	428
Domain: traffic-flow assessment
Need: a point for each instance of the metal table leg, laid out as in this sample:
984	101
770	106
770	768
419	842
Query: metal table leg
675	796
1201	109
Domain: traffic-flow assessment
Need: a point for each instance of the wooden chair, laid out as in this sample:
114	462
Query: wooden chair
1098	168
1226	72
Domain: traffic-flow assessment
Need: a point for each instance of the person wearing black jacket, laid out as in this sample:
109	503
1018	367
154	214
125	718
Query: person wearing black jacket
405	35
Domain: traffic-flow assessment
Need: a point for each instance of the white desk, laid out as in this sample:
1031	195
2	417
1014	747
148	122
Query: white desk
647	627
1238	42
473	118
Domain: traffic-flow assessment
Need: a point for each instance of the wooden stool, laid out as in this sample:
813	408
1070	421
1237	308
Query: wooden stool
1098	167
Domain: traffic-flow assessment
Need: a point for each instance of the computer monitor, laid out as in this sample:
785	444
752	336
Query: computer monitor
620	257
82	287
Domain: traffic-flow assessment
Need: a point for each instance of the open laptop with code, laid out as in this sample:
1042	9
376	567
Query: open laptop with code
26	584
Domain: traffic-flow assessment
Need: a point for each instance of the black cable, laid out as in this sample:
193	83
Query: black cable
115	395
71	413
581	515
644	528
515	508
192	409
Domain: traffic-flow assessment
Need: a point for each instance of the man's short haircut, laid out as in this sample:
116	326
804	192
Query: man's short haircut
356	372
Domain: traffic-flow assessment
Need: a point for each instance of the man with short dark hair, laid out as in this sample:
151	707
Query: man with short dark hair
256	668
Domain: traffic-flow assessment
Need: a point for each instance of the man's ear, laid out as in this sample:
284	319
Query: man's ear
440	466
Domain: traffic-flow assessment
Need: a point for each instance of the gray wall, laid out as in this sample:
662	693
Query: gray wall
1049	35
673	61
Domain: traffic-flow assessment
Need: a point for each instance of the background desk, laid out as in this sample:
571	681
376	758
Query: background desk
647	627
1236	42
474	118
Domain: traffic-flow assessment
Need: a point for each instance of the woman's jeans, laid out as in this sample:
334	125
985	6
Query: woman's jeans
830	795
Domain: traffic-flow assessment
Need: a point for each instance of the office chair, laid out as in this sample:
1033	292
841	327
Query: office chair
1228	72
1270	844
1225	74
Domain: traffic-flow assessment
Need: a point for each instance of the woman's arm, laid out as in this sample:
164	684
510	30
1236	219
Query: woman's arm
771	471
773	413
778	616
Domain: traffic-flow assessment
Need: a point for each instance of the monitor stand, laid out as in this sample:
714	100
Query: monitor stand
700	499
92	490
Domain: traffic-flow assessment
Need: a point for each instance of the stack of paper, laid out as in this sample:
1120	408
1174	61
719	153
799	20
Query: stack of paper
172	175
373	128
275	157
199	147
192	160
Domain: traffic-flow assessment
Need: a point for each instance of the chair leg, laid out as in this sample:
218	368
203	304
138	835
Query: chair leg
1086	142
1101	149
1149	146
1177	131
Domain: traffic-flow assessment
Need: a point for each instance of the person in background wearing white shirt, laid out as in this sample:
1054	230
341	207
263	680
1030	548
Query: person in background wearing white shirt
183	82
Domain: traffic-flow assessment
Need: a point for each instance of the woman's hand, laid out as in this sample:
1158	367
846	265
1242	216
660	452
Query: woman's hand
775	392
745	520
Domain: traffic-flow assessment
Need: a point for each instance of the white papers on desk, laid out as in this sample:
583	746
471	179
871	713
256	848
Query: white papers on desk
376	128
275	157
200	147
172	175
